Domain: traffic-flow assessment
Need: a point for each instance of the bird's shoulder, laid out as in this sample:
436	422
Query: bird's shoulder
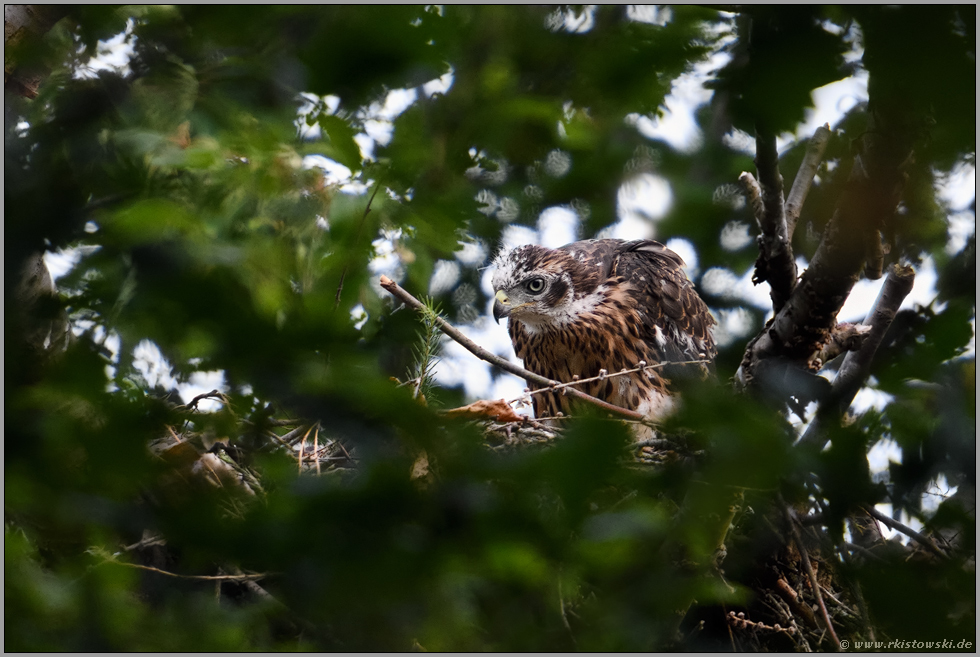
666	298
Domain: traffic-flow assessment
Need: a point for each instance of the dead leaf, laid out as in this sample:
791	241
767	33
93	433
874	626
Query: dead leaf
182	135
497	409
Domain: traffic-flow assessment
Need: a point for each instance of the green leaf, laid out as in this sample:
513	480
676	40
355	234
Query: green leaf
343	148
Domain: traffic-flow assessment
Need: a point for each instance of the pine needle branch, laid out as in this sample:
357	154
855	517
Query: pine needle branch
426	350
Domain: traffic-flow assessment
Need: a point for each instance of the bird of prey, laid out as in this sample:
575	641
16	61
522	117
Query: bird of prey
603	304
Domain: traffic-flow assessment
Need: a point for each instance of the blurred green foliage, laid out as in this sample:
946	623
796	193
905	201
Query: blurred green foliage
180	181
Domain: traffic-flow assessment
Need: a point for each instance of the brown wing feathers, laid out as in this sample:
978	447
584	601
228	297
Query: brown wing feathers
634	302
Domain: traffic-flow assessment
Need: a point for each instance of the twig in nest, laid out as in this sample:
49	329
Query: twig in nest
808	567
399	293
174	434
316	447
281	423
564	615
302	449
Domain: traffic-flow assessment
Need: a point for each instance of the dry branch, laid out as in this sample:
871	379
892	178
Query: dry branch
210	578
919	538
603	375
805	322
804	177
812	576
854	370
401	294
775	264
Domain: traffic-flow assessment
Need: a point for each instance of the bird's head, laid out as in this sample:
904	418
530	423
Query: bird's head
537	286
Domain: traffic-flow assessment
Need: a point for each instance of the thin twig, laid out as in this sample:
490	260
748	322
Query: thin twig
854	547
921	539
214	394
357	239
564	616
398	292
343	449
230	578
279	440
147	541
290	437
603	375
804	177
174	434
316	448
281	423
843	607
302	449
814	585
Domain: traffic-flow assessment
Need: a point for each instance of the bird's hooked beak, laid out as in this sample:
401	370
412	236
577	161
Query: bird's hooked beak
501	305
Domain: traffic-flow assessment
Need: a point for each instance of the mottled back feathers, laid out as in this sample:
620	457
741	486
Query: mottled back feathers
603	304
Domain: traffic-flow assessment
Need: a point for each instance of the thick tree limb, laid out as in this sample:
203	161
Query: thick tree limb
804	323
22	25
851	238
400	293
854	370
804	177
776	263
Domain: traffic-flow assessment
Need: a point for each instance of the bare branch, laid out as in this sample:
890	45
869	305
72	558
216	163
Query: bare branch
854	370
213	578
603	375
921	539
804	177
214	394
775	264
804	323
400	293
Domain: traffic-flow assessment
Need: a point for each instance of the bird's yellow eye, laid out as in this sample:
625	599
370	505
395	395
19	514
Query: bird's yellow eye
535	285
